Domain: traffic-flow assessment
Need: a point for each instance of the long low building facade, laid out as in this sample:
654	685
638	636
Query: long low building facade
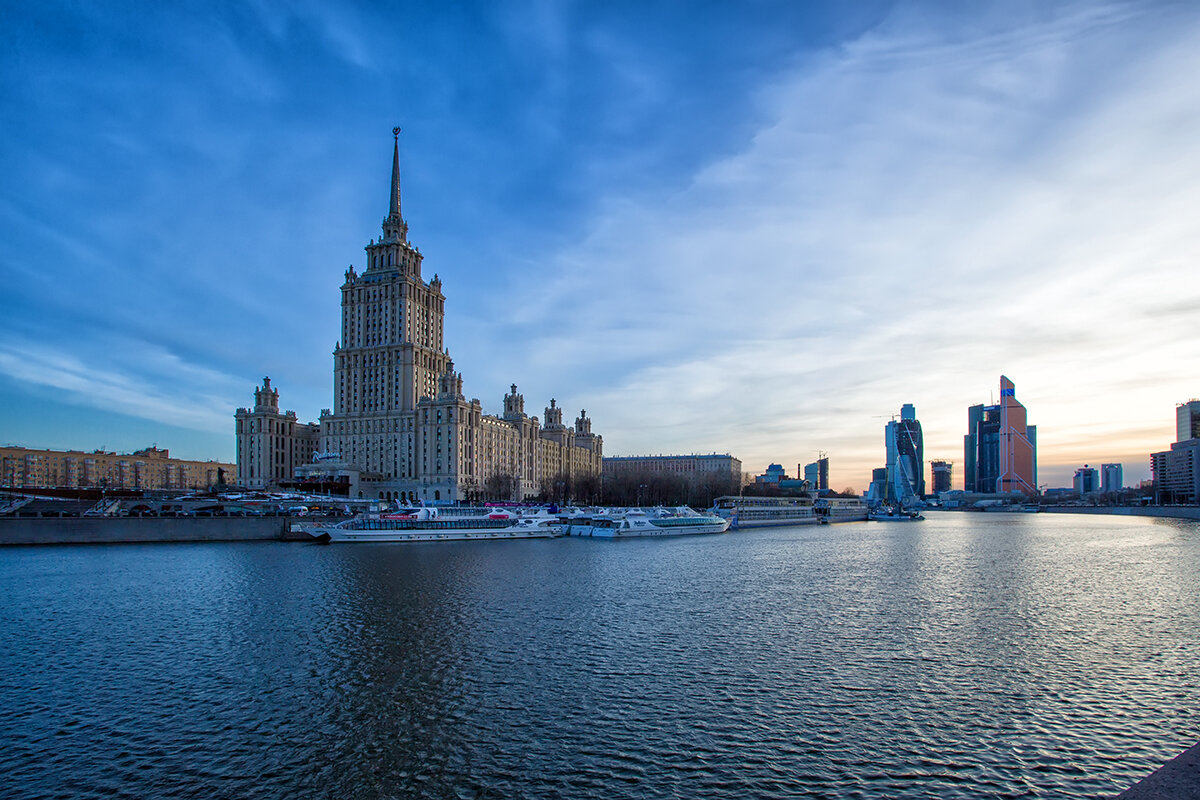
400	427
691	467
151	469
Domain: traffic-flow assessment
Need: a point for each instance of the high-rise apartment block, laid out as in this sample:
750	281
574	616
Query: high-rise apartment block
1176	472
1087	480
400	427
1187	421
941	475
1000	448
1112	478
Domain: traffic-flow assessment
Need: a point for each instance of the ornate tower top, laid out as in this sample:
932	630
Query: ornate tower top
553	416
266	398
514	404
450	384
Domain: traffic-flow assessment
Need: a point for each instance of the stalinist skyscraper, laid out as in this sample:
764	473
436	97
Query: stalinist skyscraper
391	351
400	427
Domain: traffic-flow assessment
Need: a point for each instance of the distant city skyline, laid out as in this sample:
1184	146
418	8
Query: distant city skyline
722	231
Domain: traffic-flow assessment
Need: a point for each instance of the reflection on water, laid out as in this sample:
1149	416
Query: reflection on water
972	655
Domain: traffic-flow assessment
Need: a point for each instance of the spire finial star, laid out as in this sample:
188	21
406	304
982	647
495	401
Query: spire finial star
396	131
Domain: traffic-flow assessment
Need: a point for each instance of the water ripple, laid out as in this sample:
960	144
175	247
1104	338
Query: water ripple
971	656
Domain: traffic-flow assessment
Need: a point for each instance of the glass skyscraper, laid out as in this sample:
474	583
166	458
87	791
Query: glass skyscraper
1000	448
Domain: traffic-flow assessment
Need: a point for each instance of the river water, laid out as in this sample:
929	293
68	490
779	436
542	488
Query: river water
971	655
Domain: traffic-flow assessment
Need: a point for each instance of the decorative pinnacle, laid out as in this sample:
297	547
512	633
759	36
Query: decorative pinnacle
396	131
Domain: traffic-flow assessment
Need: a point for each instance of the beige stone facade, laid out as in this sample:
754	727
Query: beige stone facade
271	444
151	468
400	427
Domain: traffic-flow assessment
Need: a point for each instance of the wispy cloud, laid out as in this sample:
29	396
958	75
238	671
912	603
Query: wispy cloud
133	378
925	210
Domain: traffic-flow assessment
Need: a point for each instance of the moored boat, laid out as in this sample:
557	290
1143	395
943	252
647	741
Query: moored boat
896	515
427	525
806	509
681	521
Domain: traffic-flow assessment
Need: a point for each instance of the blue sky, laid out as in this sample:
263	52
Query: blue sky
755	228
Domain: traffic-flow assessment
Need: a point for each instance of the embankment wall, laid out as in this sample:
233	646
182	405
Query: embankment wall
1178	779
1173	512
117	530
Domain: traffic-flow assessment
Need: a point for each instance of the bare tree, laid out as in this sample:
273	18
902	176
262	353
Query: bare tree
500	487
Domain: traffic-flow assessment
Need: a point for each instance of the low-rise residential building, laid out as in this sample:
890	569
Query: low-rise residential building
151	468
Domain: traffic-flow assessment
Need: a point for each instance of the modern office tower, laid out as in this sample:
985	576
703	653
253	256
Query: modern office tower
400	428
1111	478
941	475
905	457
880	490
1187	421
1000	448
817	474
1087	480
1176	472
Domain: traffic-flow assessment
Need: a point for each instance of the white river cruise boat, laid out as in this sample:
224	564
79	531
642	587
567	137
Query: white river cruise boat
888	514
427	525
681	521
758	512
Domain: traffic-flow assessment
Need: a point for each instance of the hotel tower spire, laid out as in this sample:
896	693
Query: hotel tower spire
394	206
395	229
